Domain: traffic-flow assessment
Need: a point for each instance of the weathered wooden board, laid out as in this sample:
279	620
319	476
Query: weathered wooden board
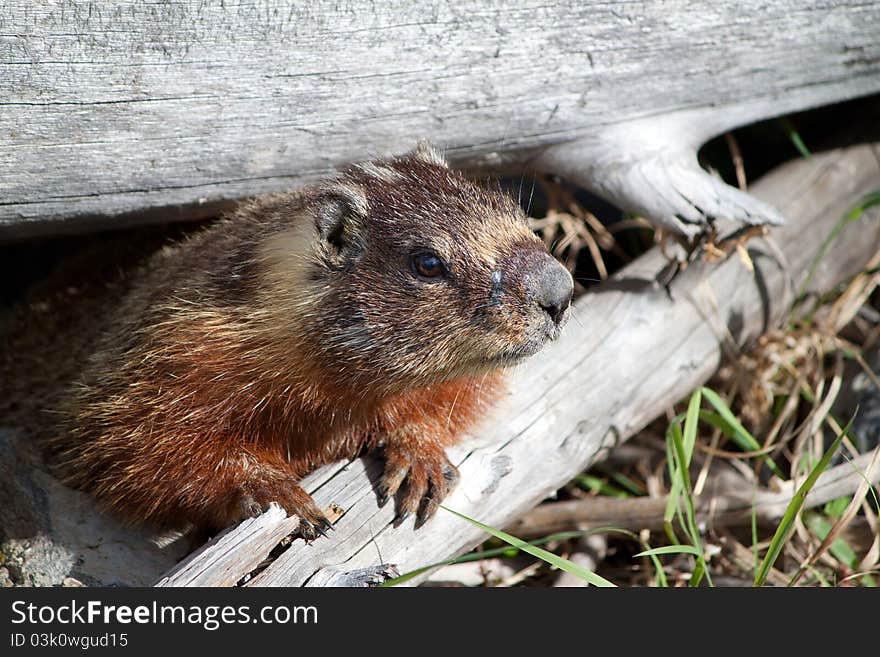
124	111
629	351
224	560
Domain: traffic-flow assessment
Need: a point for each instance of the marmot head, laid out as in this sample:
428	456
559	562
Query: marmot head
416	275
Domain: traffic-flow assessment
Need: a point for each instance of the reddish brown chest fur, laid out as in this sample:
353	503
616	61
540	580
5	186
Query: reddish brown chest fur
309	430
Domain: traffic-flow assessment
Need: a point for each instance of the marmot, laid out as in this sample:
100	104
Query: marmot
371	312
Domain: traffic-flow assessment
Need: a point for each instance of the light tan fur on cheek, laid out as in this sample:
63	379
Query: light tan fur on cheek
287	262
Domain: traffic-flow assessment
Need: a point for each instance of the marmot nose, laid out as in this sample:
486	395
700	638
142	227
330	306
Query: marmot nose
552	288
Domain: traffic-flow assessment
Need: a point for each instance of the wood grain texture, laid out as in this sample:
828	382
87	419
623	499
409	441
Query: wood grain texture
122	112
226	558
629	351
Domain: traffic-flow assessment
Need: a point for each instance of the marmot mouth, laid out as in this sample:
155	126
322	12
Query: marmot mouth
531	346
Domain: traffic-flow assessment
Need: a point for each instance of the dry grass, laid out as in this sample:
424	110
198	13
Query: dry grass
792	391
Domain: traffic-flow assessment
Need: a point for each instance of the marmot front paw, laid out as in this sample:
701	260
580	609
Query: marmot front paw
256	496
429	477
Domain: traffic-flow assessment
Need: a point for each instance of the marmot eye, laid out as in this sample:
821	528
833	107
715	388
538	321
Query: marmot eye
428	265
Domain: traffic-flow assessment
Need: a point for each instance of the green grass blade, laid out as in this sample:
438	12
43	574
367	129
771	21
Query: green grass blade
818	575
507	549
739	433
554	560
627	484
835	508
683	458
841	550
869	201
394	581
700	570
688	438
786	526
755	526
691	420
684	451
674	429
795	138
670	549
599	485
659	574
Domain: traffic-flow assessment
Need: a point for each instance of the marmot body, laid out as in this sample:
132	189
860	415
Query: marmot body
371	312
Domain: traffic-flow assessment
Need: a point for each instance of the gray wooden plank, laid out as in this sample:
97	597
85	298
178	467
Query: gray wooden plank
124	112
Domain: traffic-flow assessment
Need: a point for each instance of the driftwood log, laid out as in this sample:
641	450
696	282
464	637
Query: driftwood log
124	112
630	351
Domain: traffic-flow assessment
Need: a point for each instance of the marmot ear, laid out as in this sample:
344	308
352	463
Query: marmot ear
340	213
427	153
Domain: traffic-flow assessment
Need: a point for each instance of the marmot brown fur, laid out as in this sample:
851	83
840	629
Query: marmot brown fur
370	312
